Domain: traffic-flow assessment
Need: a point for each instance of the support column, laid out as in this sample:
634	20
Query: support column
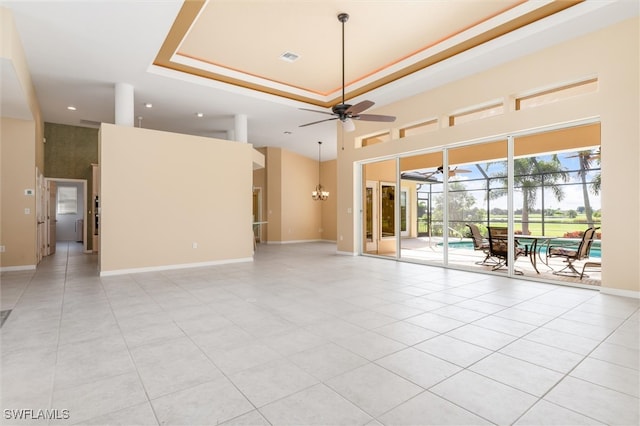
124	105
240	128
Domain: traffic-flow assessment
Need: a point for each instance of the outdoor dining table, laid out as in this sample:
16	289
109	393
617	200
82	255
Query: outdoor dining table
537	243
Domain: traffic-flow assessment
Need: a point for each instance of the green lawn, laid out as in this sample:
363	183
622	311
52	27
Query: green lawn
556	226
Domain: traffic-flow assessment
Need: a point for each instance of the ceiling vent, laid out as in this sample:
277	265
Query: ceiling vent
289	57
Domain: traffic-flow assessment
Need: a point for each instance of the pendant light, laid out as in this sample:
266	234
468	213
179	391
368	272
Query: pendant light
319	194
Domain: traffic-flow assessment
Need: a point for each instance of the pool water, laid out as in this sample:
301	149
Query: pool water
595	247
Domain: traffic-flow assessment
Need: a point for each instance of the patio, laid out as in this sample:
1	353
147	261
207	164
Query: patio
431	250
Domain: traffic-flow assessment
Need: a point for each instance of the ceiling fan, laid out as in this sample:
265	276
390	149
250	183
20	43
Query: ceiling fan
452	172
345	112
430	176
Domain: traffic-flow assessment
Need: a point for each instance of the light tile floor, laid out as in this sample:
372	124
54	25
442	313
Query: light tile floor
305	336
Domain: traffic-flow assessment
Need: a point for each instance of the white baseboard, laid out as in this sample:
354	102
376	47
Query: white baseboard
295	241
172	267
618	292
17	268
346	253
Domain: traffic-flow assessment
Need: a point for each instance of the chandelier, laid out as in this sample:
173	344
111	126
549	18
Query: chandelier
319	194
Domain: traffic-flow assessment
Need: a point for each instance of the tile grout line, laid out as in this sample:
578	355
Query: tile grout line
146	393
55	368
568	373
224	374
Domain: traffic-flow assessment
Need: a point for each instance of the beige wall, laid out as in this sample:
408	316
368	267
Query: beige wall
291	213
17	229
329	179
161	192
301	215
273	161
611	55
21	152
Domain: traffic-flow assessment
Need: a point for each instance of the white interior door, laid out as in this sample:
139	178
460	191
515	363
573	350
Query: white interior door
41	215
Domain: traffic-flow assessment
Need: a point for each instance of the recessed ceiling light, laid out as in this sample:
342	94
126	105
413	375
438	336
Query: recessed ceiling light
148	105
71	108
199	114
289	56
287	132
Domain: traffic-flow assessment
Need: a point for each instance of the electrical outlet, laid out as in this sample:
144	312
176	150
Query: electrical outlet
194	245
2	249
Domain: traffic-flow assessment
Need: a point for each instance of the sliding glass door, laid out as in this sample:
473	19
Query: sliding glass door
379	208
421	179
534	190
477	197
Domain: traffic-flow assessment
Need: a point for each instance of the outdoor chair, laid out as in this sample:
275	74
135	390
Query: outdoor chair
499	248
572	253
481	244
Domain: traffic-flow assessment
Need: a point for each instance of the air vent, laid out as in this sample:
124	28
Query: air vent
289	57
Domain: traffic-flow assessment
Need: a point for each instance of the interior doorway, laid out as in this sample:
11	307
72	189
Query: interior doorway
257	214
66	212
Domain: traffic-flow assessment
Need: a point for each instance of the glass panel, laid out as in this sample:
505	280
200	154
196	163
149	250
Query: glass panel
403	211
557	194
476	114
369	215
417	129
379	216
388	210
376	139
422	182
477	199
557	94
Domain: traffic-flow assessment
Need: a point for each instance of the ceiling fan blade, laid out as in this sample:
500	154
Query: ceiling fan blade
457	170
319	121
374	117
315	110
359	107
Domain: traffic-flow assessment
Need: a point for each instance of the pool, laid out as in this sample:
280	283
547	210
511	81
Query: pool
595	247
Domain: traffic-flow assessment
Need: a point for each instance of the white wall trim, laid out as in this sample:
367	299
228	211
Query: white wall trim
295	241
619	292
347	253
172	267
17	268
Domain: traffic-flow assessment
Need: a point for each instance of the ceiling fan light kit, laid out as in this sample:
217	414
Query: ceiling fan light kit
344	112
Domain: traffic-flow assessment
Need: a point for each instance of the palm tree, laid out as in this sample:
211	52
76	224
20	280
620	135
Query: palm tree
586	160
531	174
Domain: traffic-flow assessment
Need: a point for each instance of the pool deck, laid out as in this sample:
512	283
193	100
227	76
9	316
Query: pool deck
431	251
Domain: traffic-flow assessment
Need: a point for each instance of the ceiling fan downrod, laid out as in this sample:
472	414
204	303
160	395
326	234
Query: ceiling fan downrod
343	17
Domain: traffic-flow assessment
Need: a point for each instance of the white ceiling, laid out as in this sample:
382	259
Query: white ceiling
77	50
